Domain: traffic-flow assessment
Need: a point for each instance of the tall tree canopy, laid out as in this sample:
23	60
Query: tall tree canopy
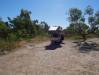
74	14
77	22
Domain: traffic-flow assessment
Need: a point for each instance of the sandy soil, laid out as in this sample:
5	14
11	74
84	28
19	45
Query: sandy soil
33	59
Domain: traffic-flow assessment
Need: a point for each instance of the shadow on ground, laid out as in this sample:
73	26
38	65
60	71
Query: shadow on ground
52	46
85	47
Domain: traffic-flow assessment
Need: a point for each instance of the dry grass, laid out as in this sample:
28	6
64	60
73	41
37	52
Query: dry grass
39	39
9	46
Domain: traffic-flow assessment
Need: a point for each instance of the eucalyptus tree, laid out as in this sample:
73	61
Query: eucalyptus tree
91	18
77	20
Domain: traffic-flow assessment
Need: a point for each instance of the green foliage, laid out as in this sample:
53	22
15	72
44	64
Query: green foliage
77	22
23	21
7	46
74	14
2	26
91	18
20	28
89	10
45	26
25	26
97	17
71	28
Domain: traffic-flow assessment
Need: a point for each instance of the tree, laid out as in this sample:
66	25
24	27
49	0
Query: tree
22	23
89	10
91	18
3	26
97	18
35	22
44	26
3	29
74	15
77	21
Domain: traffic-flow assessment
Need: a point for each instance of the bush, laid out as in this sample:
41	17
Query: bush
6	45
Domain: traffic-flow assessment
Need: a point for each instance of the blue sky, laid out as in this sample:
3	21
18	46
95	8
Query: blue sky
51	11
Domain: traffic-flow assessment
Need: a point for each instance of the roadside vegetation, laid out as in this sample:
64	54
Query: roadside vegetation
83	25
20	28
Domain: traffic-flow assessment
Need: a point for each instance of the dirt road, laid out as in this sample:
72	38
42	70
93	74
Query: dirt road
33	59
